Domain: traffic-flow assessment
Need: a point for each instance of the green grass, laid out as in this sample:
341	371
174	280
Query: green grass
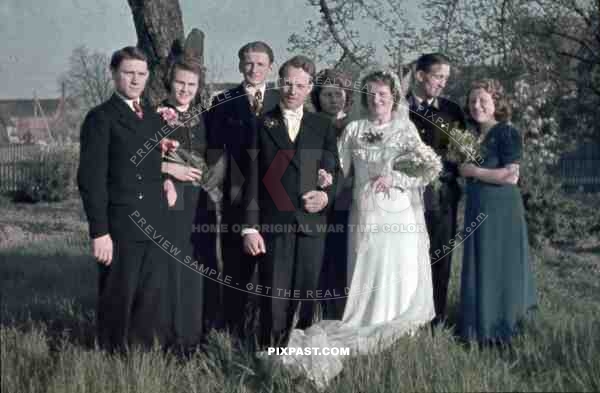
47	339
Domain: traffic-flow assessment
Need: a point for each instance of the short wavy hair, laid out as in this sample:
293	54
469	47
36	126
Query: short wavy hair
186	64
302	62
335	77
126	53
503	111
385	78
256	46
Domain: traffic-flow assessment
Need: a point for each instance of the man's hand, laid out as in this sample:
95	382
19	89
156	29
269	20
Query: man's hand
170	192
182	172
167	145
102	249
325	179
315	201
254	244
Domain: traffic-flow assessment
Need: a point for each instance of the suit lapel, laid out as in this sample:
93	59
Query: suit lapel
271	100
275	128
241	103
125	116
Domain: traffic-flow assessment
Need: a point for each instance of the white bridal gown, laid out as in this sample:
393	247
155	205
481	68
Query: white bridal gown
390	293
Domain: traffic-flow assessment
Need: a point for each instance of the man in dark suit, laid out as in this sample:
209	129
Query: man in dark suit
286	209
231	124
120	184
435	117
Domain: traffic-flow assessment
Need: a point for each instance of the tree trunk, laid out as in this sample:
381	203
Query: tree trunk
159	27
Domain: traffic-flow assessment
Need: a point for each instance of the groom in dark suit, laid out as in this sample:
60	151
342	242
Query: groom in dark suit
285	207
231	124
120	183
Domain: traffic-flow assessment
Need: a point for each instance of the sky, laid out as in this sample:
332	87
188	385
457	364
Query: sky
37	37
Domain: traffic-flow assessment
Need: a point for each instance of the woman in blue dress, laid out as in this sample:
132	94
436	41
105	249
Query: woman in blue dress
497	286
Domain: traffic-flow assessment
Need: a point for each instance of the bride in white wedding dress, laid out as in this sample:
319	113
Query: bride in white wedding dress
390	292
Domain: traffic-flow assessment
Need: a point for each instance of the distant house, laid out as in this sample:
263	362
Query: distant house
30	120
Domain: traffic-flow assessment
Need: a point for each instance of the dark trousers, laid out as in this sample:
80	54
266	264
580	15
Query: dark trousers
136	298
291	268
441	226
240	267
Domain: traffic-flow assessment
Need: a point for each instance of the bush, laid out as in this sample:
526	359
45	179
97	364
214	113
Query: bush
553	215
49	177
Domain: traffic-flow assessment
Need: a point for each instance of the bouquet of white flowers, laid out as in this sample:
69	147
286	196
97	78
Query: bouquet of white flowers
419	160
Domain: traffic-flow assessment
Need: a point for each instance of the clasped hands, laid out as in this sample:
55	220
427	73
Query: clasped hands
472	170
314	202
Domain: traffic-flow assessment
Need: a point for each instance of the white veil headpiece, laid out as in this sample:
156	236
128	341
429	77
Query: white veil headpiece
401	114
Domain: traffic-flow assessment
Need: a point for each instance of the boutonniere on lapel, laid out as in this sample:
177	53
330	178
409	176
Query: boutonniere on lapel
271	122
169	115
372	137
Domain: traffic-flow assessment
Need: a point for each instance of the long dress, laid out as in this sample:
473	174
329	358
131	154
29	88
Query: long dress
192	221
390	292
497	286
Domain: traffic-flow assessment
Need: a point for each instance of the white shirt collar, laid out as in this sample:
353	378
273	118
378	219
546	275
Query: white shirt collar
293	113
128	101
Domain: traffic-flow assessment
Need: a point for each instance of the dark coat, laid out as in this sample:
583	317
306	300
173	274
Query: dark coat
120	171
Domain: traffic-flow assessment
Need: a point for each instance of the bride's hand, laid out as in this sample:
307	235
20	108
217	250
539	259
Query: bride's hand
382	184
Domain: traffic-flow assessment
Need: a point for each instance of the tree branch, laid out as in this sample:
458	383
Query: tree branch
331	25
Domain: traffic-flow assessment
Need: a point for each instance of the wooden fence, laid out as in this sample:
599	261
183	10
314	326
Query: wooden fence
17	164
580	170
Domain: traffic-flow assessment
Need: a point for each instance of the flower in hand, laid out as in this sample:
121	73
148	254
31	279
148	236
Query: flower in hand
325	179
169	115
168	145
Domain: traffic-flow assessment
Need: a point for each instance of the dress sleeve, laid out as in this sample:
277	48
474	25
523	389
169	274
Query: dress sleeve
345	146
510	146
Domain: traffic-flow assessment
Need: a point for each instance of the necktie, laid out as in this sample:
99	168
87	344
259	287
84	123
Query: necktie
257	103
138	109
292	120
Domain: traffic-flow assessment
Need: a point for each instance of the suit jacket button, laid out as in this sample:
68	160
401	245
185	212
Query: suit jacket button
138	176
140	195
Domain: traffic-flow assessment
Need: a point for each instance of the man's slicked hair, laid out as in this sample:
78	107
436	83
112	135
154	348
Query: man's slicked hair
426	61
126	53
302	62
256	46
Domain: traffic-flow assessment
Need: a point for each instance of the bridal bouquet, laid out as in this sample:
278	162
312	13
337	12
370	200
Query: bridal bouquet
464	147
419	160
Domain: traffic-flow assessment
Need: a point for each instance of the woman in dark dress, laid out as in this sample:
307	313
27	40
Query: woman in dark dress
190	205
332	97
497	287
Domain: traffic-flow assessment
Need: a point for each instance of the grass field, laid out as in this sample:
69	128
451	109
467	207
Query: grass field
47	331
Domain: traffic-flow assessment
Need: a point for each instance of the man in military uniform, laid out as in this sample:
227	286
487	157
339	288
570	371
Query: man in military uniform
435	117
